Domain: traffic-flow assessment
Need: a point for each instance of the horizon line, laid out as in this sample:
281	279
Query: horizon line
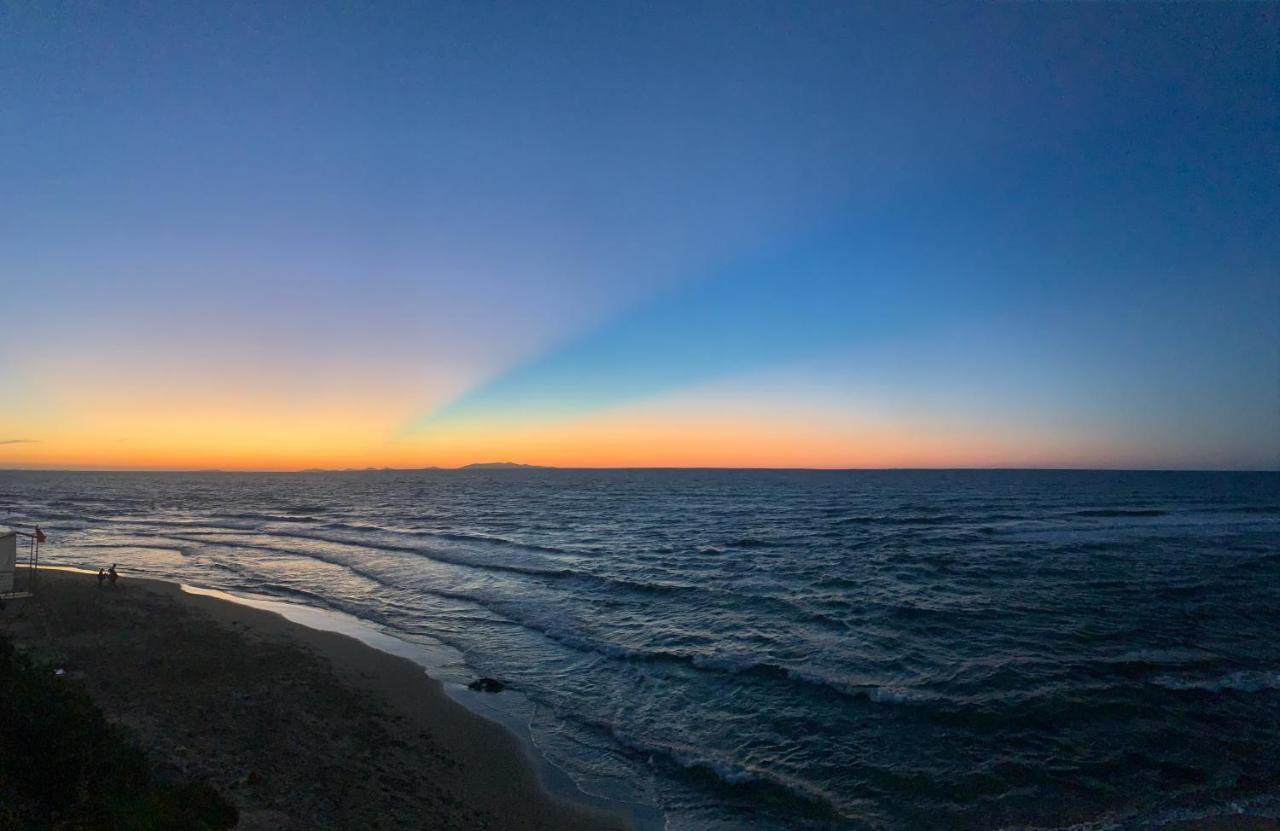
483	466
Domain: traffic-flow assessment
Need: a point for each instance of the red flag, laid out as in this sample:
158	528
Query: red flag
40	537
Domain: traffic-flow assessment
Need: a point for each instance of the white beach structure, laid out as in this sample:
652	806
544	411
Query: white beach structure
8	558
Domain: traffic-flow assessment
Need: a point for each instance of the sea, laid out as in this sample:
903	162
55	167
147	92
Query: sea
731	649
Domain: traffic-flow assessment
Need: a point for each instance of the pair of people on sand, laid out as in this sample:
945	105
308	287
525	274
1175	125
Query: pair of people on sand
108	575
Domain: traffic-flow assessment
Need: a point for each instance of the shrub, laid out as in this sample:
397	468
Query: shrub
62	765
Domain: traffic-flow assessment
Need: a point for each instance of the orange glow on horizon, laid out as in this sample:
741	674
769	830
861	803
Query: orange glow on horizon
352	422
640	436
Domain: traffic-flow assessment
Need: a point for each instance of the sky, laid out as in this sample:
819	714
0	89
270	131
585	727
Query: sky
250	235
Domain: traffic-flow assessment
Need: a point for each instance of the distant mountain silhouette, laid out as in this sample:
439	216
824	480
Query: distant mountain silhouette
501	466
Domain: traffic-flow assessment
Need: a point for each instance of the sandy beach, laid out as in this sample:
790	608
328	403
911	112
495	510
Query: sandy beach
300	729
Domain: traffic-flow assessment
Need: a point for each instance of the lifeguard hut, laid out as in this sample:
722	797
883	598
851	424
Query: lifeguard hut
12	582
8	559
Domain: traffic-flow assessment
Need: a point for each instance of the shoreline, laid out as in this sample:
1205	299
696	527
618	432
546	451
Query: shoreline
436	661
300	723
293	617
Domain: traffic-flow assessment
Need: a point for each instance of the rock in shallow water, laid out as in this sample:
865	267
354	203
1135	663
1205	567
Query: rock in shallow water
487	685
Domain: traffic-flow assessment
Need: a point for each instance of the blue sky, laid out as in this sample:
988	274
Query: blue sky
1059	220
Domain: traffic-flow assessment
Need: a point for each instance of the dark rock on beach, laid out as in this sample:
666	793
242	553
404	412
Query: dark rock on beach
492	685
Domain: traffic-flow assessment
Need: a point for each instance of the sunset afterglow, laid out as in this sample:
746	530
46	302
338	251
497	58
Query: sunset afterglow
429	238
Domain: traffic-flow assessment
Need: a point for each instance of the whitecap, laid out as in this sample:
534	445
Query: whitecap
1249	681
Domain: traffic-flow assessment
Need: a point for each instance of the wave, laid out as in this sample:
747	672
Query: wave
356	570
281	590
1249	681
604	583
147	524
731	773
507	613
452	558
185	552
908	519
41	518
1265	805
1142	662
306	509
726	772
254	584
433	555
752	542
738	665
896	695
362	528
459	536
250	515
875	693
1240	509
1120	512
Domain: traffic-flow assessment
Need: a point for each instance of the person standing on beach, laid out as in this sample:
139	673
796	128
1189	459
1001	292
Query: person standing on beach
112	574
102	575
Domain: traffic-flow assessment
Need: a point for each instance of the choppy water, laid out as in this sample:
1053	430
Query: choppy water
786	649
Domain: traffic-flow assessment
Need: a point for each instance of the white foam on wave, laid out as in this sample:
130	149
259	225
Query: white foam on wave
875	693
725	771
732	772
1265	806
896	695
1243	681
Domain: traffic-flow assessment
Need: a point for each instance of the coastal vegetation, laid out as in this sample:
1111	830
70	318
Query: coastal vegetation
64	766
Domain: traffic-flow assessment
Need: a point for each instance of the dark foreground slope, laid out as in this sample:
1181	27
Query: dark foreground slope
298	728
63	765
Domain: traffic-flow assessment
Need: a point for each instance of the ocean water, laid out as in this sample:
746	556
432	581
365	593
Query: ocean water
785	649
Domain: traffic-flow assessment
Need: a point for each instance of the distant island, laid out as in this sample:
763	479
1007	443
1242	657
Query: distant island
502	466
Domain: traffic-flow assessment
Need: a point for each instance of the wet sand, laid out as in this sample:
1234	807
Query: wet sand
299	728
